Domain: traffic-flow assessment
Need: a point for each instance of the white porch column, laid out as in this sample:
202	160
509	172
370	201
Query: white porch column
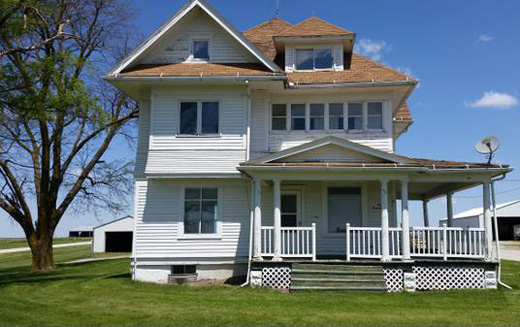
406	220
449	208
257	200
277	222
384	221
487	221
426	217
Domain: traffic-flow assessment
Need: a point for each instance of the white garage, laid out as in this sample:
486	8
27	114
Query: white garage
114	236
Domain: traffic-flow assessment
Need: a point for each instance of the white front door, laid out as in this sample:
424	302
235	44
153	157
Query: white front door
291	212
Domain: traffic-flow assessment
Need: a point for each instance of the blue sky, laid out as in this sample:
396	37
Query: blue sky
466	55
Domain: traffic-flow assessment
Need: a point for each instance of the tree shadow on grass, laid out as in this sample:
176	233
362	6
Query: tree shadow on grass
62	272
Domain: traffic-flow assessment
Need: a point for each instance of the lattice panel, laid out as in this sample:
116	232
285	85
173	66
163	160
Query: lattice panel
447	278
276	277
394	280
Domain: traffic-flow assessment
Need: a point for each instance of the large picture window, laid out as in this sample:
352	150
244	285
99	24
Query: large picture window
200	210
314	59
199	118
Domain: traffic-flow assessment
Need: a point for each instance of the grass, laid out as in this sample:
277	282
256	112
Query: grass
10	243
101	293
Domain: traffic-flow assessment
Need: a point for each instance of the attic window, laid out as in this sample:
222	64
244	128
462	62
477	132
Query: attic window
314	59
200	49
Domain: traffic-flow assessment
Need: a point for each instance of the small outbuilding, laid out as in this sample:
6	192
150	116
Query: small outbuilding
114	236
508	219
81	231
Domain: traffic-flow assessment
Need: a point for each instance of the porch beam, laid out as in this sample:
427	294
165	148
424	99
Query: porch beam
277	255
257	200
487	221
426	217
384	221
406	221
449	208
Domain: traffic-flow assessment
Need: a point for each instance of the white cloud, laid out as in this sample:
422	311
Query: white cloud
484	38
372	48
494	100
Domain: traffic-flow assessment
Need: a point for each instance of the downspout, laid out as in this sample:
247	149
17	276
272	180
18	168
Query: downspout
250	255
495	225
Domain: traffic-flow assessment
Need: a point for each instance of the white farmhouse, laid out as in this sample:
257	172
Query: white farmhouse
272	153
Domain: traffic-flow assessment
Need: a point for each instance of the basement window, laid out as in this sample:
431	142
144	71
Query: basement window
183	269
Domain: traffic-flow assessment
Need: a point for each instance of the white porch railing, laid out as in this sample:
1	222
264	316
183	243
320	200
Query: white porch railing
365	242
447	242
442	242
297	242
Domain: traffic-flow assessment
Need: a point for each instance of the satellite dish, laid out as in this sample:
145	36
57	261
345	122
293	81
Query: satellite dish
488	145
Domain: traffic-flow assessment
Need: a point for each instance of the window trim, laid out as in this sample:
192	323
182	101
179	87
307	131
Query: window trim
314	48
326	129
199	133
218	228
192	59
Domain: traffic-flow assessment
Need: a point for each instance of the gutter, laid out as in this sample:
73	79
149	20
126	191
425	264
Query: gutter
352	84
115	78
384	169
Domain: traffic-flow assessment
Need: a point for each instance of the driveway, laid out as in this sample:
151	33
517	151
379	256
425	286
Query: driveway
510	250
3	251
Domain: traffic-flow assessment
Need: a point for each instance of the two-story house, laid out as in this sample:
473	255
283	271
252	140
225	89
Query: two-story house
263	152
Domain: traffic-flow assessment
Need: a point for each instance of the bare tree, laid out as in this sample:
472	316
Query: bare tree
57	117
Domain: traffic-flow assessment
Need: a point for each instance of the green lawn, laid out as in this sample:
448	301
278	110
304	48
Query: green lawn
9	243
101	293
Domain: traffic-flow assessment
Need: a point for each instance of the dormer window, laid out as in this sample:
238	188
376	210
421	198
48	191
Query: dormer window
314	59
200	50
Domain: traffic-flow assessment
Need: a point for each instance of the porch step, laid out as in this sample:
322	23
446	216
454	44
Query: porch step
337	277
338	288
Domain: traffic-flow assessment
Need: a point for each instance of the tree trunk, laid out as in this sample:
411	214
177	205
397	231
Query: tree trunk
42	256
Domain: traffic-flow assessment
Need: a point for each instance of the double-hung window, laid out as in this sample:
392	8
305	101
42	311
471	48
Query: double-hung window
314	59
199	118
375	115
355	116
317	116
298	117
336	116
279	117
200	210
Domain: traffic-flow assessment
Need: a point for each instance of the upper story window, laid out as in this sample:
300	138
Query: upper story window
200	210
199	118
200	50
350	116
314	59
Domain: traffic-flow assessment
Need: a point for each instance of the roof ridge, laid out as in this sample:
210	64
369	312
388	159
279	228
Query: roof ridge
267	22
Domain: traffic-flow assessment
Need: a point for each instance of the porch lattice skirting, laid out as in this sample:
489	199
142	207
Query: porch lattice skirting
276	277
394	279
448	277
426	277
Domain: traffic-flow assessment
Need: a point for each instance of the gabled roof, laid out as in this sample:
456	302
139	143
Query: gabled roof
328	140
403	113
262	35
191	5
313	26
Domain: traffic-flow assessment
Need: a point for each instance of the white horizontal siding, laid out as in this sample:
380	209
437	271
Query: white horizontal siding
176	45
143	137
194	161
282	141
159	219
